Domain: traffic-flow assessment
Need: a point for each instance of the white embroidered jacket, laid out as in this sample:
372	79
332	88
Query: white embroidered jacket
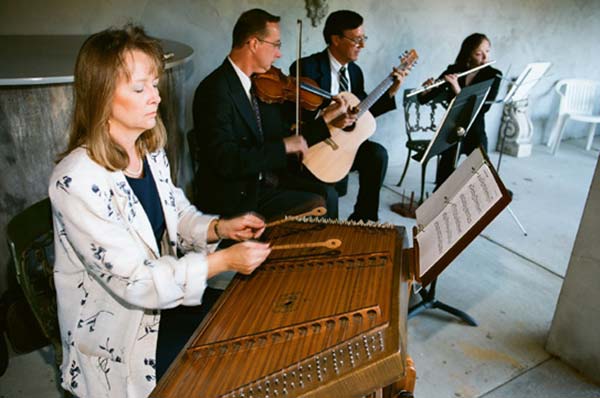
109	276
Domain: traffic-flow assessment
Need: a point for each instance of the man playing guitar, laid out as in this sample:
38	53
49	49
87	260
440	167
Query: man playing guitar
334	70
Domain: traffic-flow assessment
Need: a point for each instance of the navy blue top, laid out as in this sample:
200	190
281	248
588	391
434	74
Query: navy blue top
145	190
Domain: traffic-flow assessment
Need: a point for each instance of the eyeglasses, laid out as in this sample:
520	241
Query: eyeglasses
277	44
358	41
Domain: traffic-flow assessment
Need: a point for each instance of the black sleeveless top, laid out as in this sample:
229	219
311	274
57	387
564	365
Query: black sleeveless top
146	192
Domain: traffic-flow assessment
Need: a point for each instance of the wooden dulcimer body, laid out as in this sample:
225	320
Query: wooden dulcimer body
310	322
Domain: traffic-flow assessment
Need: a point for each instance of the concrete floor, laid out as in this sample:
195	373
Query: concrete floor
507	281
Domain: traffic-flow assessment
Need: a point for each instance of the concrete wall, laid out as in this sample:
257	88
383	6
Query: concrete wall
563	32
522	31
574	333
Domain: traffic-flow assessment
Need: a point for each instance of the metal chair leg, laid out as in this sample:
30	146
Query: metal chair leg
423	171
405	168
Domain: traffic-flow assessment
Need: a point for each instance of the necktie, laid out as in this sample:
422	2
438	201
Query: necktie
267	177
256	110
342	79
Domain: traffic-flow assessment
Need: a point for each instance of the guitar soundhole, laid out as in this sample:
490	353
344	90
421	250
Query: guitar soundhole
350	128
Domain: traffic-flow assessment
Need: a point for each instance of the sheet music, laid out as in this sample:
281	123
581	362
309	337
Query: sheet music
454	208
434	205
527	79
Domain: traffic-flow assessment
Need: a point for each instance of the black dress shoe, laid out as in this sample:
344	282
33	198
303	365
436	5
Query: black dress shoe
356	217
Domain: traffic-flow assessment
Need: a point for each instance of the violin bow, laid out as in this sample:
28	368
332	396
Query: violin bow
298	54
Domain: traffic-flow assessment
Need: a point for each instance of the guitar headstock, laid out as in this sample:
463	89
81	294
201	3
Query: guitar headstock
408	59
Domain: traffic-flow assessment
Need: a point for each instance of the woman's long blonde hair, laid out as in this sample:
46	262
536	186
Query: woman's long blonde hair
100	63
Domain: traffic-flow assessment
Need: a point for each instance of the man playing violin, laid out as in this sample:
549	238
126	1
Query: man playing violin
334	70
241	144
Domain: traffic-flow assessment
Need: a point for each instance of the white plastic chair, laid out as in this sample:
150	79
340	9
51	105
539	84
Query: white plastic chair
578	98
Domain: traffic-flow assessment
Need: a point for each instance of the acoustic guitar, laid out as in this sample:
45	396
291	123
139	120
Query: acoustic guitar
330	160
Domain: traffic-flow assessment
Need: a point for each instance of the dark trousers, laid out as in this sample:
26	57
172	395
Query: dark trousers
177	326
303	180
371	163
275	203
446	165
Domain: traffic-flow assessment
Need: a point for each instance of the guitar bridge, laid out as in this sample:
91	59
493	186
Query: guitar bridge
331	143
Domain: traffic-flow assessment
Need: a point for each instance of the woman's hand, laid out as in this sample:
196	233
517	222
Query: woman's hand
246	256
248	226
426	83
452	80
242	257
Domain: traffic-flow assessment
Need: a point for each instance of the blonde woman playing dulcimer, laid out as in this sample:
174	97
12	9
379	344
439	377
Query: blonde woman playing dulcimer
474	53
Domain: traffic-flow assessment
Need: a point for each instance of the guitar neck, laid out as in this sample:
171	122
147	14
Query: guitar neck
407	61
372	98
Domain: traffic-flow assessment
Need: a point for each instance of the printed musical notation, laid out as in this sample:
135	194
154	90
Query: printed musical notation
454	208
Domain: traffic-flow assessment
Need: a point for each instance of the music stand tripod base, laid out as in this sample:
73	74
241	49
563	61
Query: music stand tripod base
428	301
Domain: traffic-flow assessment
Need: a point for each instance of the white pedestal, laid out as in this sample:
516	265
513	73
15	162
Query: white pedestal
517	130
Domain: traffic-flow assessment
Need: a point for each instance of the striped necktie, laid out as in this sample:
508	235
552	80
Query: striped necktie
256	109
268	178
342	79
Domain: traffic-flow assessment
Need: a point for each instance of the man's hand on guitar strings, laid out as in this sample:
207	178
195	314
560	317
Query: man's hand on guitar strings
338	114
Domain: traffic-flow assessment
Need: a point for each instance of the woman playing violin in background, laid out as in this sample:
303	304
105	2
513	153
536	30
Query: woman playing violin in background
474	52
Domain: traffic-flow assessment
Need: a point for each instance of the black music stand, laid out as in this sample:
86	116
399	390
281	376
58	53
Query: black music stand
457	120
454	126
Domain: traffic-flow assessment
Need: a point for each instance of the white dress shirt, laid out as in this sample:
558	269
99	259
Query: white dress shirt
335	70
244	78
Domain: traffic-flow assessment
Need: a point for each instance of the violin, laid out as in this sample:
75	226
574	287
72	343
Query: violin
275	87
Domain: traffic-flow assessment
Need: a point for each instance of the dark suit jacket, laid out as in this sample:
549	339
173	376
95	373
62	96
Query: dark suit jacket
318	68
476	135
232	153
